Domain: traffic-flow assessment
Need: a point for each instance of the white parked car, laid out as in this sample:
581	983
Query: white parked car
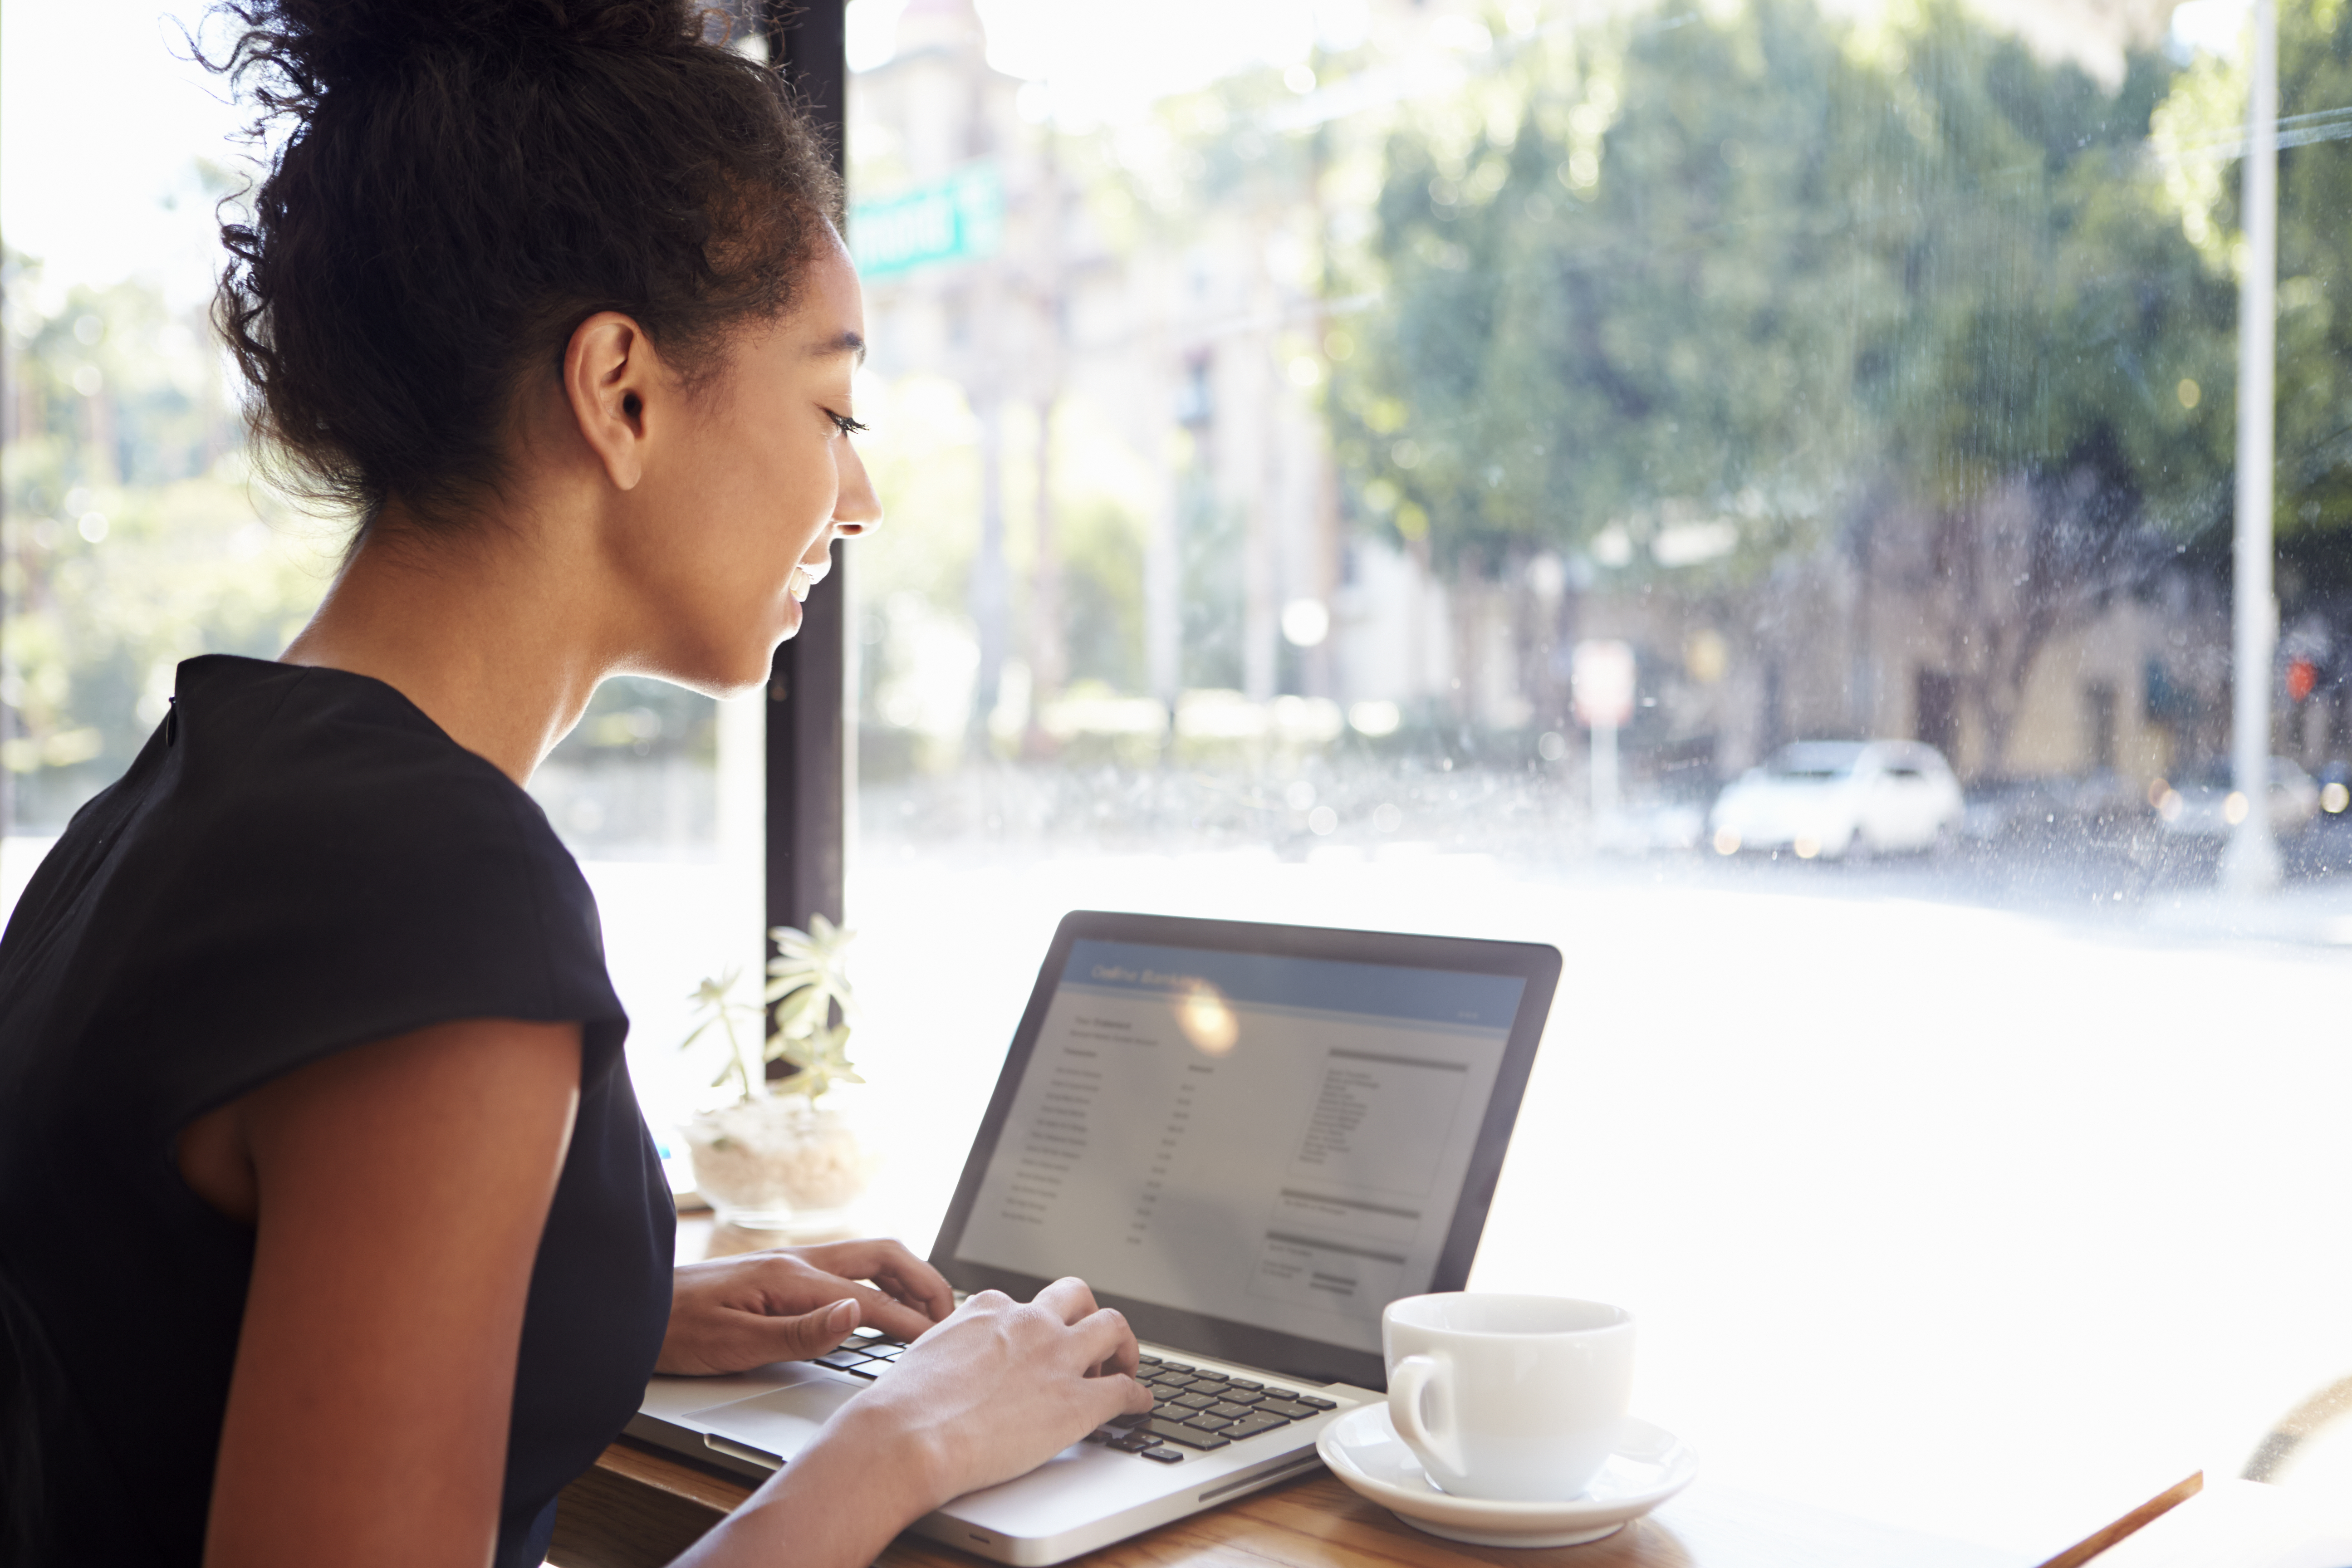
1832	798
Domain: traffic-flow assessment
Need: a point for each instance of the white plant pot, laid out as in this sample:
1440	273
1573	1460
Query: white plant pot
777	1163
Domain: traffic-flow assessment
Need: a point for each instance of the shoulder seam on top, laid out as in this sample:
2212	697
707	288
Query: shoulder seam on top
545	948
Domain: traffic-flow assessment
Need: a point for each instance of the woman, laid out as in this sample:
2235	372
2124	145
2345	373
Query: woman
366	1251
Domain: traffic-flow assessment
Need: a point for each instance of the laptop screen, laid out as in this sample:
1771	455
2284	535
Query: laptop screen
1244	1135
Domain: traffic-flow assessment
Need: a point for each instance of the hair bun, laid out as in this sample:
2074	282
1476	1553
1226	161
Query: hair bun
313	46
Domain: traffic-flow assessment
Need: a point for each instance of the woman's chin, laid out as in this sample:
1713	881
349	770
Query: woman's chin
758	662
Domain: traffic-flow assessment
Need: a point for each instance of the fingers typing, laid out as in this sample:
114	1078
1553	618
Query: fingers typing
916	1293
1108	1343
1006	1386
1070	1297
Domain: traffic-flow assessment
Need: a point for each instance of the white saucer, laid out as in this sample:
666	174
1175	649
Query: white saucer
1649	1466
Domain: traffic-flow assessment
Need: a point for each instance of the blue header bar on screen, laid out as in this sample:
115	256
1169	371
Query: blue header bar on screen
1317	985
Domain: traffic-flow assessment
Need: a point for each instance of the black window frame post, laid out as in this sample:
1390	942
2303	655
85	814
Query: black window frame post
808	755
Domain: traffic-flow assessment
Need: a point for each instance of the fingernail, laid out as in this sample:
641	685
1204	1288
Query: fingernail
843	1318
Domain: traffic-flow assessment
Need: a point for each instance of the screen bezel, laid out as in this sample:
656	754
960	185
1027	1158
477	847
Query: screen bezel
1292	1356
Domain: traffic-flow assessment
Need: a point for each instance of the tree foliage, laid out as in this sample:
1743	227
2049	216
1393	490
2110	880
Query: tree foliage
1760	268
132	536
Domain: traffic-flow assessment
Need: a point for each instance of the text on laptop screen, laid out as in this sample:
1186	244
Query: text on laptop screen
1277	1141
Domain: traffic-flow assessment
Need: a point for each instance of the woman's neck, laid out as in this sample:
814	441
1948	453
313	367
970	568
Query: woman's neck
495	641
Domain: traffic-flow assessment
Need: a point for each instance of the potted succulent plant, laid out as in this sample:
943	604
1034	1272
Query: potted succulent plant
774	1158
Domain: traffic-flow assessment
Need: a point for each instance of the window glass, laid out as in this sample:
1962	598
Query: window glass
1488	468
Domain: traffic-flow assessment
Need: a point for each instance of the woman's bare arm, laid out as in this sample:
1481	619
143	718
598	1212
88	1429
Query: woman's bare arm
397	1192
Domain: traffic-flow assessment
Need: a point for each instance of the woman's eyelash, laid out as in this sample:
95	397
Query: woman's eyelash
845	423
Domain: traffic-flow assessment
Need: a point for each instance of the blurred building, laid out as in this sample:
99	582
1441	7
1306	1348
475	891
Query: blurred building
2132	683
1200	354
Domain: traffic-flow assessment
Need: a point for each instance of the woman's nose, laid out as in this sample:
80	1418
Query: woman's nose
856	508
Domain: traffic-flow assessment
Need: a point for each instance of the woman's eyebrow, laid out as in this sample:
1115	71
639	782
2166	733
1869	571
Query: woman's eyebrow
847	342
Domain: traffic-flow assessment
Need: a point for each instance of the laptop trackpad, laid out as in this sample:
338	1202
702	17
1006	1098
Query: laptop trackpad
783	1421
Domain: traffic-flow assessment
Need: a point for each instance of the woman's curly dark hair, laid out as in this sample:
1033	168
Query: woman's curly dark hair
458	184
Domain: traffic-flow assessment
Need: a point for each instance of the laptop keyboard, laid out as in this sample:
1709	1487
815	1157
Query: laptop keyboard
1196	1410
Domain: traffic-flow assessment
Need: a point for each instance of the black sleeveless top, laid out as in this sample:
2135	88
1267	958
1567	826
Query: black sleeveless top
298	861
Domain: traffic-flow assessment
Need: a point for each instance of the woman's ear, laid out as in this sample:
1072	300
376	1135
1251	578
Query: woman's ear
610	369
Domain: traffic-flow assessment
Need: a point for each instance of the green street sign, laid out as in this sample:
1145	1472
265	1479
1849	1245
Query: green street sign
960	219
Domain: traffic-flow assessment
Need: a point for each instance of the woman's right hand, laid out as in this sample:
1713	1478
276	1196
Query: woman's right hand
991	1392
999	1387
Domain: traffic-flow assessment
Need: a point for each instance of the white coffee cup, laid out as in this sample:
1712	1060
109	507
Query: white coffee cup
1517	1398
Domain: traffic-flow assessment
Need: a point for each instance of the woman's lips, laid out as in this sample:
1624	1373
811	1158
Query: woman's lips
807	575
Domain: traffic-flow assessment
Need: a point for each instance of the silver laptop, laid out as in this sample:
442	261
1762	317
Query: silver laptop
1249	1139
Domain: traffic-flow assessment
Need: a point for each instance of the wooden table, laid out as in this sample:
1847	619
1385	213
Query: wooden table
640	1507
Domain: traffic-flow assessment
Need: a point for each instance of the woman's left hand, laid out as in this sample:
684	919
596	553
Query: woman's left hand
733	1313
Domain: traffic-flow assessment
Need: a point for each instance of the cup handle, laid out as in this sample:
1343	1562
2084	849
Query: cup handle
1407	1384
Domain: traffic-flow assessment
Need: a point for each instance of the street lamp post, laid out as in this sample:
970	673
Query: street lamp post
2252	864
